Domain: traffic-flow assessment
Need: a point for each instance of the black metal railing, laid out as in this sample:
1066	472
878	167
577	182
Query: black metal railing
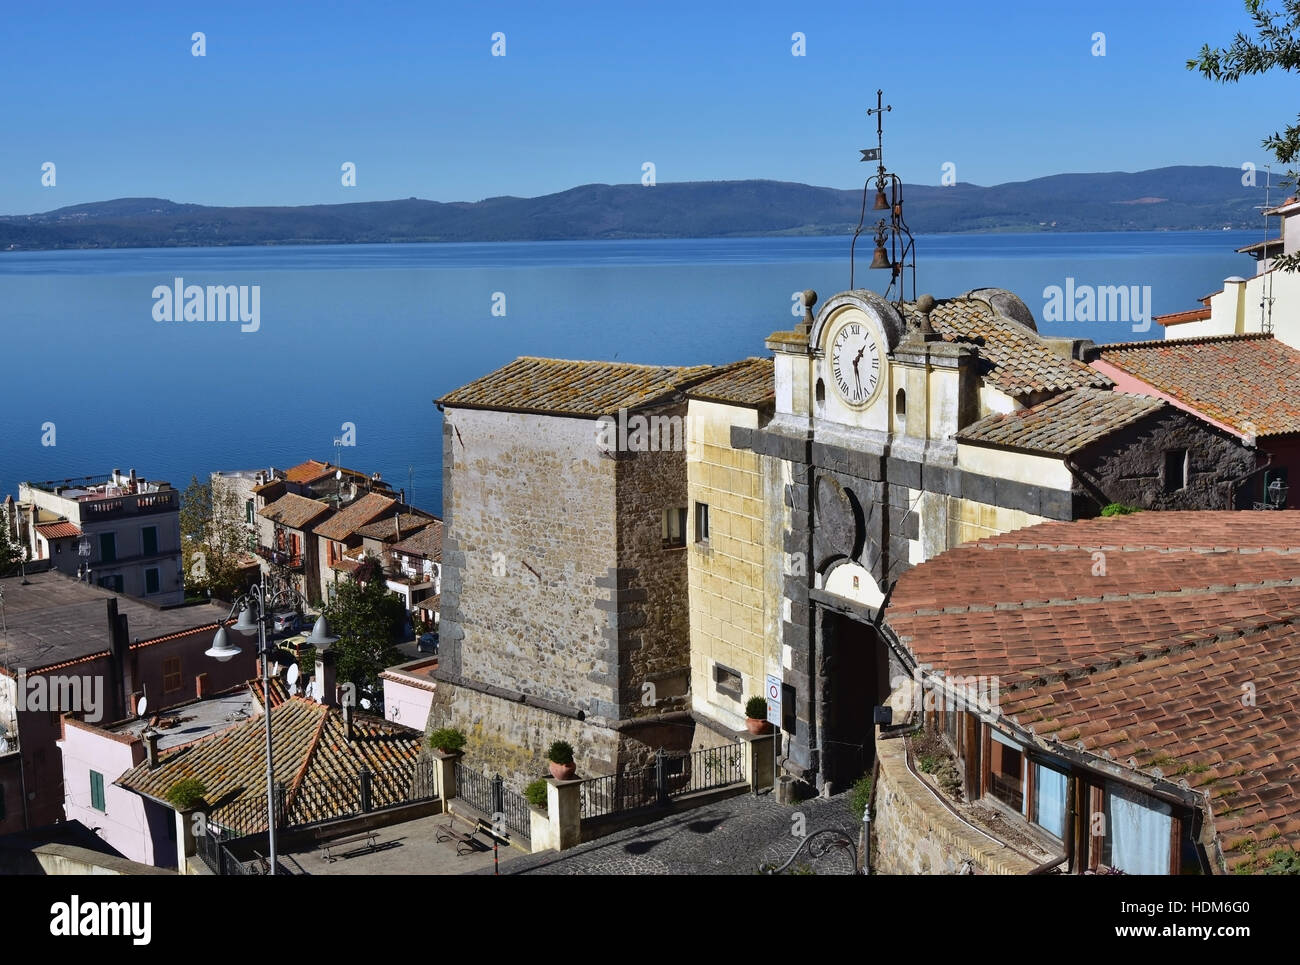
670	775
491	796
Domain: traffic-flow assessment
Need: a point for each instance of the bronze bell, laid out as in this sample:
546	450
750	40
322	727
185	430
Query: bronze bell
882	202
880	259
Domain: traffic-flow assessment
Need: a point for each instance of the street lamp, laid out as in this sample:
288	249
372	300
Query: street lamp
255	615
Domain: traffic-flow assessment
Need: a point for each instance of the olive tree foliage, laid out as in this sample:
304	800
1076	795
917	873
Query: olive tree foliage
1272	44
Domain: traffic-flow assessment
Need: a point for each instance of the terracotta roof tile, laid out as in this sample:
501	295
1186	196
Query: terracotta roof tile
305	472
749	382
294	511
348	520
1238	380
384	529
59	530
312	757
563	387
426	543
1021	361
1145	659
1064	424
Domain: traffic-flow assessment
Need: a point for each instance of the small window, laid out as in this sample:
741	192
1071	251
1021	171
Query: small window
701	522
149	541
58	547
1175	470
1006	772
108	547
171	670
900	404
1050	787
674	526
248	510
729	682
97	790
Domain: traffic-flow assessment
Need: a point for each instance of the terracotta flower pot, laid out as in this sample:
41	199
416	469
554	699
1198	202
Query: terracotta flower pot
563	772
756	725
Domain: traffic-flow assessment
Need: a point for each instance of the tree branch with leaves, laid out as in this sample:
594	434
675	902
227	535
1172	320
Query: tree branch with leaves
1275	45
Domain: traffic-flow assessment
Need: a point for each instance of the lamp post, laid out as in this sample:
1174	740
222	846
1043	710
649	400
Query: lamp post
255	616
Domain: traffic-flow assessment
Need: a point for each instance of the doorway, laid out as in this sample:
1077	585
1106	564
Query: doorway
854	675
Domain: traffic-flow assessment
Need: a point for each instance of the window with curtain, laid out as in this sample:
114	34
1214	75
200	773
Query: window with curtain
1049	800
1138	828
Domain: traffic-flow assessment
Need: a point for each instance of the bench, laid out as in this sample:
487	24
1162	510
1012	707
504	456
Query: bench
466	842
369	844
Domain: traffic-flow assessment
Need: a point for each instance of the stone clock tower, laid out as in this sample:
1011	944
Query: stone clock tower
868	398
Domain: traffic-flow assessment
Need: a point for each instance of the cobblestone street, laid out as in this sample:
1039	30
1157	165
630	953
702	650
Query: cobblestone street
732	837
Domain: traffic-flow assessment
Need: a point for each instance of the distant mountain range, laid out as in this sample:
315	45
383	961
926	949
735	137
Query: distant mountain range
1165	198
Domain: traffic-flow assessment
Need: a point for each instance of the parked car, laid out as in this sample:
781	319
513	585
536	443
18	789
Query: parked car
286	621
428	643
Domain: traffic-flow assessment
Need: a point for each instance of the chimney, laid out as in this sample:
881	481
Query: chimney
133	704
347	721
201	685
151	745
397	525
133	481
119	655
326	684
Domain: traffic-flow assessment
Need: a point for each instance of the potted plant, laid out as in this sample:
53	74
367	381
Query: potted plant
447	739
535	792
756	716
561	757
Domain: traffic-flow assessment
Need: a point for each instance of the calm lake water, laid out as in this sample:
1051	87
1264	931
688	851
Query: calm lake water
372	334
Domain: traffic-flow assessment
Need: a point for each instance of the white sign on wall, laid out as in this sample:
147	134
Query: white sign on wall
774	700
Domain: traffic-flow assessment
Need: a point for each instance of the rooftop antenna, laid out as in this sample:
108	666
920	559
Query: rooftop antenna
1266	289
901	253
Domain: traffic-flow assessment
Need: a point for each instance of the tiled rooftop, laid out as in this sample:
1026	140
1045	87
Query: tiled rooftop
408	524
351	518
1142	660
61	530
312	757
1064	424
749	382
426	543
305	472
1022	363
562	387
1238	380
294	511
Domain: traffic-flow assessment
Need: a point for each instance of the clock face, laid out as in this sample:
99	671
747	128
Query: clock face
855	363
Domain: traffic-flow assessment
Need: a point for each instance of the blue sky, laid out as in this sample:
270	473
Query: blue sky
587	92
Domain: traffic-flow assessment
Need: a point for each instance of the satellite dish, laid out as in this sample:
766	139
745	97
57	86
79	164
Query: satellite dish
292	675
142	706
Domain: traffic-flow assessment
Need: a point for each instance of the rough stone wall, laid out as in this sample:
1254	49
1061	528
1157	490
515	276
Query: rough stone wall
650	609
914	834
529	511
1131	468
511	739
729	578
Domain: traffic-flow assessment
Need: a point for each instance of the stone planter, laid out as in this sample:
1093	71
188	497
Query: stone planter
563	772
757	726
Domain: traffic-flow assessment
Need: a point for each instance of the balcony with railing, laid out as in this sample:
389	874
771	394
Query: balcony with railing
94	507
280	557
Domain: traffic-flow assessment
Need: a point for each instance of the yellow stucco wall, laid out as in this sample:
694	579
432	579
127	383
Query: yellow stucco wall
727	605
971	520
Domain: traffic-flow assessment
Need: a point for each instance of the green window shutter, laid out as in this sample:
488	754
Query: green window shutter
97	790
107	547
151	581
149	540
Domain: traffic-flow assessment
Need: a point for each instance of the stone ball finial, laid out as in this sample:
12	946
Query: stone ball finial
925	304
809	298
